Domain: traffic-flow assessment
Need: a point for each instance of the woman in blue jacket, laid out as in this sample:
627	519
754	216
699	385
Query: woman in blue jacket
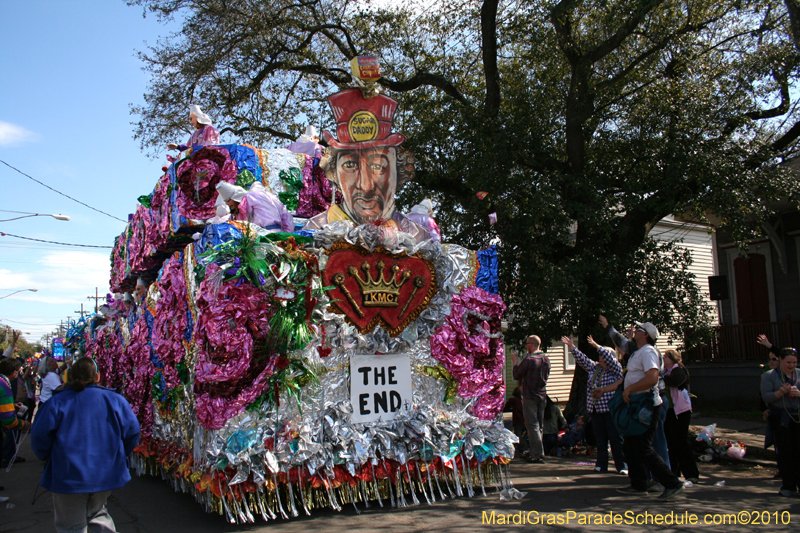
85	432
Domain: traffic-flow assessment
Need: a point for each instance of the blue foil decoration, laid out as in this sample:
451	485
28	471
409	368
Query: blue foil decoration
486	277
245	158
215	234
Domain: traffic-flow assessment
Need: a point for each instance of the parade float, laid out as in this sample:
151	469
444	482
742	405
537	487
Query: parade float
357	361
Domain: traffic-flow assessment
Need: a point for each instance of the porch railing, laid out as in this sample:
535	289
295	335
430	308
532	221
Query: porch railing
737	342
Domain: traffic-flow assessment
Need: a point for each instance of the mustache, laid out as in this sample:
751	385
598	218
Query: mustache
367	197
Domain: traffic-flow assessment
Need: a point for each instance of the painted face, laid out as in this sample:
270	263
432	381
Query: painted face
193	120
368	181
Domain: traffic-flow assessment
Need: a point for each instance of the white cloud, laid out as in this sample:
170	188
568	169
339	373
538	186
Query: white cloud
12	135
63	279
62	274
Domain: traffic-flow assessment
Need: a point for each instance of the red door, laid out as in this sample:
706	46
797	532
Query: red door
752	291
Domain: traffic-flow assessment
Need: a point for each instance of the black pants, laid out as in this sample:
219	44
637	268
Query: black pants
639	453
681	458
788	441
30	403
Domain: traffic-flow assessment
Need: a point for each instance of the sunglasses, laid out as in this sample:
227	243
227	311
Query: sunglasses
773	358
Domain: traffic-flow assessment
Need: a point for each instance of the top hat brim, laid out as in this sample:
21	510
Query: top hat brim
395	139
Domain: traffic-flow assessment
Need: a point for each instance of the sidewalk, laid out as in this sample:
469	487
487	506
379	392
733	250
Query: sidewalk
750	432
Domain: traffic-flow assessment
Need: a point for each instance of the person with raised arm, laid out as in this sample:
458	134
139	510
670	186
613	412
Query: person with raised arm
603	372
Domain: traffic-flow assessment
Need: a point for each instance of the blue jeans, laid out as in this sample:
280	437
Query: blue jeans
660	438
605	431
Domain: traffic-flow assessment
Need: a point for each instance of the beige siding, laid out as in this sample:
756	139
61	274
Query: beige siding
696	239
699	242
560	381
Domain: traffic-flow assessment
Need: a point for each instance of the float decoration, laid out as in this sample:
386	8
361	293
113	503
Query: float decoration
241	361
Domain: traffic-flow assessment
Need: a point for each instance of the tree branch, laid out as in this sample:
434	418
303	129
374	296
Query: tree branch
489	50
425	78
260	129
786	139
349	50
793	7
780	109
560	17
597	53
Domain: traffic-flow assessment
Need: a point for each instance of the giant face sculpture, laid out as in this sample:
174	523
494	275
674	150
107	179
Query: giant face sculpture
363	158
368	181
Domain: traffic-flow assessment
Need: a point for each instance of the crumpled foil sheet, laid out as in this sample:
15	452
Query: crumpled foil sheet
269	461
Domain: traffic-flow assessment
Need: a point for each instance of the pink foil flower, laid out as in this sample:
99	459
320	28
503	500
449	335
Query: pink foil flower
470	346
232	321
197	179
170	321
138	388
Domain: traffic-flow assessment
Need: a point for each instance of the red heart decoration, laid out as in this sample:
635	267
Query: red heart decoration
403	287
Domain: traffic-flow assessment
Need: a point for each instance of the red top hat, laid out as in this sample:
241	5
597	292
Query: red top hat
362	122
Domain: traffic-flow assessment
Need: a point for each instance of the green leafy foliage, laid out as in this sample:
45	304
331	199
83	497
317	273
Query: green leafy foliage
586	121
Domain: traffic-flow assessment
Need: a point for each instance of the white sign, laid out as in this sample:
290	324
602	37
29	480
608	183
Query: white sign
379	386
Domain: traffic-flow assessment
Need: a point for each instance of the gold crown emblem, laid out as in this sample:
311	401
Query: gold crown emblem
380	291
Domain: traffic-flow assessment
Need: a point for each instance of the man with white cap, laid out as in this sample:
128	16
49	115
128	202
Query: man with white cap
257	205
204	133
644	367
307	143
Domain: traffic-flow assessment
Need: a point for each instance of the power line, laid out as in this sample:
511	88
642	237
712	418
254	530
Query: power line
54	242
61	193
24	323
18	212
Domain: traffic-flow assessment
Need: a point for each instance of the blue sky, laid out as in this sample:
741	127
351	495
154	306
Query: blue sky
69	72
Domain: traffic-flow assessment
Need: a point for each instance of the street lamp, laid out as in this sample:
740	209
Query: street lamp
15	292
65	218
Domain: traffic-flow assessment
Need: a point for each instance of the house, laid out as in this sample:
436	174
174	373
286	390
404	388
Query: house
758	293
695	237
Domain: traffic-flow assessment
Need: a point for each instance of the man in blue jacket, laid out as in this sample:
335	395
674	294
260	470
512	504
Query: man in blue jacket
85	432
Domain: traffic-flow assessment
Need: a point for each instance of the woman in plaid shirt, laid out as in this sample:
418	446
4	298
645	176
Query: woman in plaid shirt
606	371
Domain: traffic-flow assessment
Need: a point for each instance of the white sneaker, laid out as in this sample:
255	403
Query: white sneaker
623	472
3	499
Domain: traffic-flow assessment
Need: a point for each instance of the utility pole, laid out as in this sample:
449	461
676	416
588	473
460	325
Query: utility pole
96	299
82	312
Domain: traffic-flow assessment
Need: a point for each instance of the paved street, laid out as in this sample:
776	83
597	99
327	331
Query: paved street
148	505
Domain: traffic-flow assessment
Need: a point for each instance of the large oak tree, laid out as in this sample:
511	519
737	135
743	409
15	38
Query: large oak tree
585	121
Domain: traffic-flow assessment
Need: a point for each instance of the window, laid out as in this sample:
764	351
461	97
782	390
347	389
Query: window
569	360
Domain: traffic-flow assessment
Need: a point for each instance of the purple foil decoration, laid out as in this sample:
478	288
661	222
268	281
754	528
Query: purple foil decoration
118	262
106	350
197	179
315	196
470	346
213	411
142	252
232	325
170	322
138	387
158	229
